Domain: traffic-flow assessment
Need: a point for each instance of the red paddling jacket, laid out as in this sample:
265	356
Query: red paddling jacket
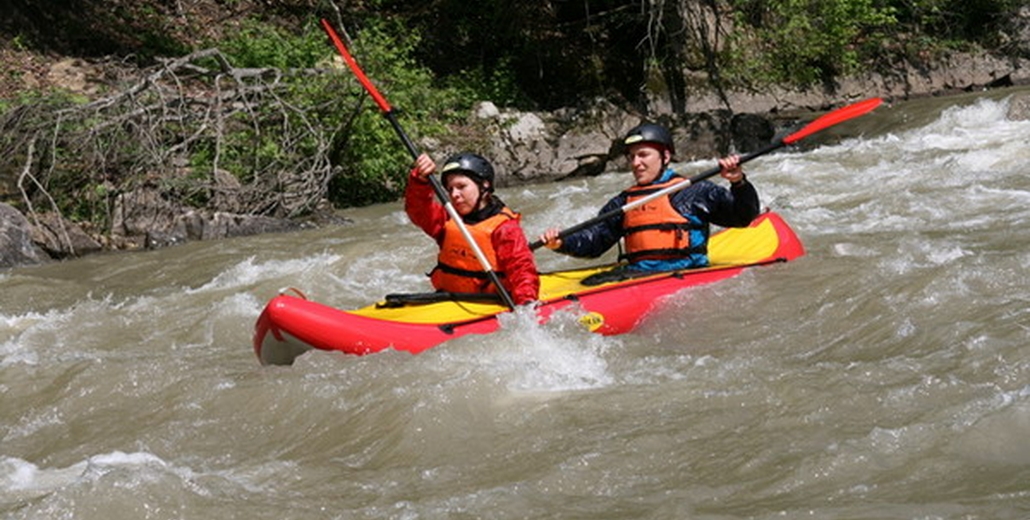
497	232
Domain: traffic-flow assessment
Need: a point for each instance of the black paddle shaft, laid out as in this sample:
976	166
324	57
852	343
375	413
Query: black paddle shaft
441	193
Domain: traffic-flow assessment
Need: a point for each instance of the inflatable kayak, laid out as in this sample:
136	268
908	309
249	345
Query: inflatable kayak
291	325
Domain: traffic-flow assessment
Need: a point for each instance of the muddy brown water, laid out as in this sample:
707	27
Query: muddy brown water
884	375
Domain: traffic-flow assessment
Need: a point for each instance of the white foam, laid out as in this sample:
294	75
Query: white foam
23	476
248	272
558	356
20	332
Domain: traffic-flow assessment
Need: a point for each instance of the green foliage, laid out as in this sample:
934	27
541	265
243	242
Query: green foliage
371	160
260	44
498	85
951	21
374	162
809	41
806	41
18	42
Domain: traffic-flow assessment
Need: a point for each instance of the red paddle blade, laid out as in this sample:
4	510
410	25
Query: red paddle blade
353	64
837	116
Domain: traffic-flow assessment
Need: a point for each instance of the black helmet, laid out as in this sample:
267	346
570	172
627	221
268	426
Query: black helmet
470	164
650	133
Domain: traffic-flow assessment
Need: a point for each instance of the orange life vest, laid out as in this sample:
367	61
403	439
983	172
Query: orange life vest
458	269
655	230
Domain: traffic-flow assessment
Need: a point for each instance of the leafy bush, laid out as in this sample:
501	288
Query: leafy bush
261	44
953	21
806	41
369	159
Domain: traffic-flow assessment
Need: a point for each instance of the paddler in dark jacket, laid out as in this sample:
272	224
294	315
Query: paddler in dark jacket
468	179
670	232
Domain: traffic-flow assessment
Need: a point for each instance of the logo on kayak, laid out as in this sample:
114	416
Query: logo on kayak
592	321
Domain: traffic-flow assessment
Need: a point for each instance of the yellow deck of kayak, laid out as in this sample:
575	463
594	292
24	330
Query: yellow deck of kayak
728	248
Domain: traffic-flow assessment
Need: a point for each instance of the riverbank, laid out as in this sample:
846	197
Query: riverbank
526	147
581	142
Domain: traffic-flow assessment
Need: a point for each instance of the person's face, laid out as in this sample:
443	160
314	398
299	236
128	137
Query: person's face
646	161
464	193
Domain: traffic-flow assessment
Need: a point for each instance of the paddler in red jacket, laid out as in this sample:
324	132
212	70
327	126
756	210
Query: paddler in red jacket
668	233
469	182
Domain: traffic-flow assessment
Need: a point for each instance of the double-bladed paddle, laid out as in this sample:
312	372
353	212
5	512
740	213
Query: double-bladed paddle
821	123
441	194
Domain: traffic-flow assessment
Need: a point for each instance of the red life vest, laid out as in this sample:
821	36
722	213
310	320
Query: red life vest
458	269
655	230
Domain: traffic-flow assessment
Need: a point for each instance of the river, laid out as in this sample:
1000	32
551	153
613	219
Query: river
884	375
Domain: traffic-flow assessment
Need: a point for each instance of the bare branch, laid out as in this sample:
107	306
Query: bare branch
202	133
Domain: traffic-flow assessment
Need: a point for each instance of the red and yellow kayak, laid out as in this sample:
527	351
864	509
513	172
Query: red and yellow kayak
291	325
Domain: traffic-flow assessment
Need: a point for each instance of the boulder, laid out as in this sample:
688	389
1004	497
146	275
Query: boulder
142	218
228	225
16	245
61	238
749	132
1019	107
